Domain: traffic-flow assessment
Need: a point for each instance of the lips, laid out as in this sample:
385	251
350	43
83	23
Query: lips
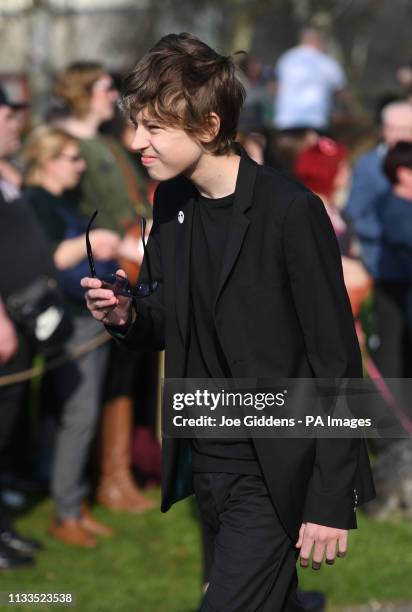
147	159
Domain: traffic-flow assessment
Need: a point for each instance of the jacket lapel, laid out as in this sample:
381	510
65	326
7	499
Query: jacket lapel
239	222
183	240
237	230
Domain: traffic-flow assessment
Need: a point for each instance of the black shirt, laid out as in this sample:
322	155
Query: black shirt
211	219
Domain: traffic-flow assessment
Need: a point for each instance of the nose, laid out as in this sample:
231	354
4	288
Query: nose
140	140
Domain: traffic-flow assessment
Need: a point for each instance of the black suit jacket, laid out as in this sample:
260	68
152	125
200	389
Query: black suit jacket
281	310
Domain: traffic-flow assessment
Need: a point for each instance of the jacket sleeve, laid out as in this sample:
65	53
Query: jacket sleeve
148	331
314	266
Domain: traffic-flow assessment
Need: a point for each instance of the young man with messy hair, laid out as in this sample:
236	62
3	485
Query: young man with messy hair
249	285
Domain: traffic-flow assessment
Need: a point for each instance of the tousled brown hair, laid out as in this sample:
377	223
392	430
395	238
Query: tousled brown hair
74	85
181	81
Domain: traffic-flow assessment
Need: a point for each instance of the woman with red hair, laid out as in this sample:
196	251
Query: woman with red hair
324	169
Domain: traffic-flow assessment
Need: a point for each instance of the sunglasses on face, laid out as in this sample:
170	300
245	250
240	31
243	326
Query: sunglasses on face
118	284
72	158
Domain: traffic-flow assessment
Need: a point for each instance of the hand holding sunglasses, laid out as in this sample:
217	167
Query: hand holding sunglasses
118	284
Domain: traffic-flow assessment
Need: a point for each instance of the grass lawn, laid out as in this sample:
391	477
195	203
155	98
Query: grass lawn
154	564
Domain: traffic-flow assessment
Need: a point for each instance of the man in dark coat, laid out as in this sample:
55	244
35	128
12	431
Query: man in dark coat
249	284
24	255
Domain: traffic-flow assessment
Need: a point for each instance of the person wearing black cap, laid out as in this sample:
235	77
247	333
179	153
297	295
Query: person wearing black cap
17	227
12	104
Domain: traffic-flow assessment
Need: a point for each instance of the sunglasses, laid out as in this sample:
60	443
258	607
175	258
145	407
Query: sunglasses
104	84
118	284
72	158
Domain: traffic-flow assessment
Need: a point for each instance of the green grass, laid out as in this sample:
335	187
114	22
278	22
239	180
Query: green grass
153	565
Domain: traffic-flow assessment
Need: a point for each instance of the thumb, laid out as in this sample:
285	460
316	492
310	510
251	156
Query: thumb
301	534
121	273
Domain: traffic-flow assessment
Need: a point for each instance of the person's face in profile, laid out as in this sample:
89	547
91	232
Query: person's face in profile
165	151
103	98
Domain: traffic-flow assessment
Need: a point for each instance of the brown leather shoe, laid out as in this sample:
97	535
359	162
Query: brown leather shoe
91	525
71	532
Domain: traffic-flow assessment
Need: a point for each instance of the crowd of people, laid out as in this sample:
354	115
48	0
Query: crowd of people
66	170
76	162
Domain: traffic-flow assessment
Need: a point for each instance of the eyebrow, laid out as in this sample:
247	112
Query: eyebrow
144	121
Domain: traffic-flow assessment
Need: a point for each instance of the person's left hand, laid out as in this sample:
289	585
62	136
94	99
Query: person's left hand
324	539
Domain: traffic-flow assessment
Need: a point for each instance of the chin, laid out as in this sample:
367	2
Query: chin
73	185
162	176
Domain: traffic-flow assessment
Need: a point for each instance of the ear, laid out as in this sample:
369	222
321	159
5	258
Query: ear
211	128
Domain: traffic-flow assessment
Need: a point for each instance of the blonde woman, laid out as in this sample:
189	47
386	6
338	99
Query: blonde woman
54	166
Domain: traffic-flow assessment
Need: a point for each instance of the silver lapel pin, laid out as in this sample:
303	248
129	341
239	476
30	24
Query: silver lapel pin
181	216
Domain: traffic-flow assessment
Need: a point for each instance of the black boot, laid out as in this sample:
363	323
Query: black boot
10	559
18	543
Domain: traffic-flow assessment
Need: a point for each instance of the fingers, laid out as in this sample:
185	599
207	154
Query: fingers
318	554
102	312
306	549
100	302
342	544
121	273
104	304
322	541
90	283
95	283
101	309
331	552
98	299
100	315
100	294
301	532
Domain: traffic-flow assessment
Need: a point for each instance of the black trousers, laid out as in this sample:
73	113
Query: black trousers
11	405
11	396
250	560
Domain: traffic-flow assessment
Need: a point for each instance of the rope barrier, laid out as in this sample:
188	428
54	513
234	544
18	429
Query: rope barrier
80	350
382	387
